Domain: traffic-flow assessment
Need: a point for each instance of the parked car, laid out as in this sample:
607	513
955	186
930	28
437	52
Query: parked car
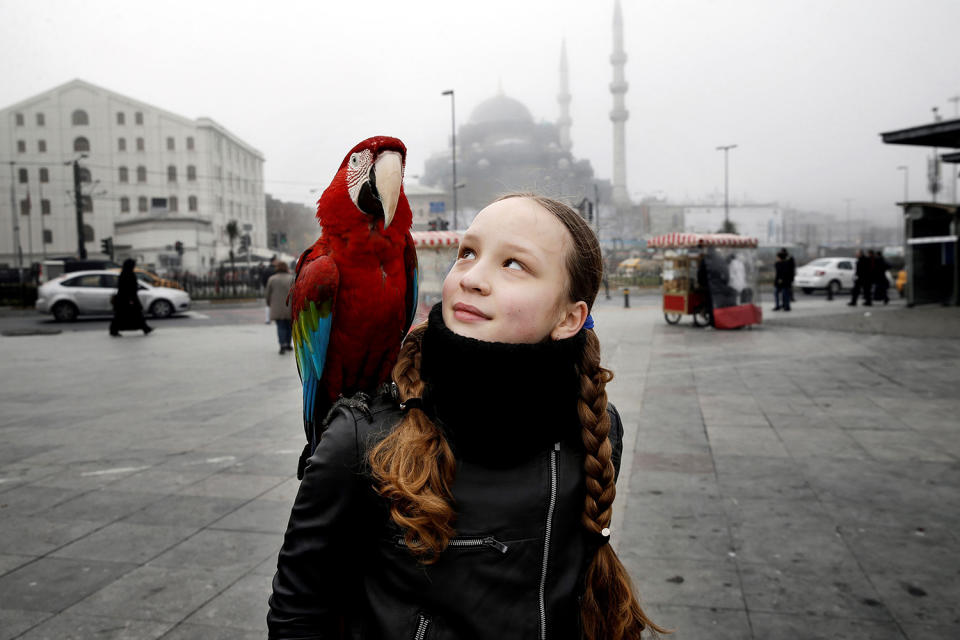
90	293
826	273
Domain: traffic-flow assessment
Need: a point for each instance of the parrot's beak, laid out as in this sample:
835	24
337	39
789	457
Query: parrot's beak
388	171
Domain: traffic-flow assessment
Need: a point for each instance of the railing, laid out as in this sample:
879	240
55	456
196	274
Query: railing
226	286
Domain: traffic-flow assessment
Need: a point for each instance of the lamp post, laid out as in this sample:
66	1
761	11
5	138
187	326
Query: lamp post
78	202
726	185
453	149
906	198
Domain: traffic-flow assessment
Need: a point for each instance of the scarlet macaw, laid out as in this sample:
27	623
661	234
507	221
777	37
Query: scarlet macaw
355	292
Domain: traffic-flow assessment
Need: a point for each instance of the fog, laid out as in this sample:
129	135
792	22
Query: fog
802	87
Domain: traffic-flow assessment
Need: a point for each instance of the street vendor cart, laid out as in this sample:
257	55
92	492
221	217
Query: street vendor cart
711	276
436	253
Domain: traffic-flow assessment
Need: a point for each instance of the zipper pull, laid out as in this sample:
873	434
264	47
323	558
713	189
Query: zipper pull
556	446
496	544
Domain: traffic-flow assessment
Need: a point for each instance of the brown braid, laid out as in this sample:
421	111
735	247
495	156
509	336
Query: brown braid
414	465
609	610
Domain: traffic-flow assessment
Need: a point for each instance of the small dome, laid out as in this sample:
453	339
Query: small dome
500	108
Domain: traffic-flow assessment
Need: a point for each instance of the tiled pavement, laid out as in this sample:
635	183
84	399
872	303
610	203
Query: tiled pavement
782	482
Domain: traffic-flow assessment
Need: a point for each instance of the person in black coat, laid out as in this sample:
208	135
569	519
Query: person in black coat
127	310
880	283
864	280
785	269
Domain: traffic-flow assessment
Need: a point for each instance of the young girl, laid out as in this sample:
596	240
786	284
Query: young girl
477	504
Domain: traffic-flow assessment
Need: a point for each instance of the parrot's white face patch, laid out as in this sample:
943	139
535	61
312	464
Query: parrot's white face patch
358	171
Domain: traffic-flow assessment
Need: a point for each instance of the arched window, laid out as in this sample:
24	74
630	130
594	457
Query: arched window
172	203
84	174
191	173
124	175
124	205
171	173
192	203
79	117
141	174
87	233
81	144
142	204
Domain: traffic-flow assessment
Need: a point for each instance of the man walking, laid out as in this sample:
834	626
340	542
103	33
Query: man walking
863	282
278	304
785	269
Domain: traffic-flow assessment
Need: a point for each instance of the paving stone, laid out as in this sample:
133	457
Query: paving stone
84	627
233	485
101	505
746	441
265	516
700	623
215	549
687	582
241	606
175	510
207	632
820	443
53	584
744	477
126	542
14	622
900	446
779	626
36	536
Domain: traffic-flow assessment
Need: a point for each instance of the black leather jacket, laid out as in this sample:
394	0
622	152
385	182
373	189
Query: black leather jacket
514	569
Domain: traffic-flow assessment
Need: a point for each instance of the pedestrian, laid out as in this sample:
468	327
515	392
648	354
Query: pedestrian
738	278
475	501
277	295
880	282
863	280
127	309
784	272
265	275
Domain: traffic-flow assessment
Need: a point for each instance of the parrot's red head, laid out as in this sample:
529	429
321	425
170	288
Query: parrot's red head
368	188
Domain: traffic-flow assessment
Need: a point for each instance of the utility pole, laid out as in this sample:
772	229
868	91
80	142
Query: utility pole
78	199
43	226
15	218
596	200
453	149
849	235
906	198
726	185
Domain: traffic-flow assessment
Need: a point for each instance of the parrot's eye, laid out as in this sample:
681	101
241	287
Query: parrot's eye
354	160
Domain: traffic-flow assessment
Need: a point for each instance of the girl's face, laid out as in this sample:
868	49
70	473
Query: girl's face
509	283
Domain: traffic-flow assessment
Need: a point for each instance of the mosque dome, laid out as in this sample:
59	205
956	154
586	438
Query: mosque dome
500	109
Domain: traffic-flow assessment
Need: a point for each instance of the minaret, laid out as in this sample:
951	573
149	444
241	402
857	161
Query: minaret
619	114
564	121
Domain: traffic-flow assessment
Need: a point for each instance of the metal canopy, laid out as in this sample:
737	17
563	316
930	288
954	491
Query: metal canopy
952	158
938	134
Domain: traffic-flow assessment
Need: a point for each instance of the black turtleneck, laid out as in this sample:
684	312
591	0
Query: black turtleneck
500	403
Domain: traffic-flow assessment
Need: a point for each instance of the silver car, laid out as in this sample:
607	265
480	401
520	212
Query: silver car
90	293
826	273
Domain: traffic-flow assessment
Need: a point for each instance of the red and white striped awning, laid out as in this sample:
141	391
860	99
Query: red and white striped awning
679	240
436	239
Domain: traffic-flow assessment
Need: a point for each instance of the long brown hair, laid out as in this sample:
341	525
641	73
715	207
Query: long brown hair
414	465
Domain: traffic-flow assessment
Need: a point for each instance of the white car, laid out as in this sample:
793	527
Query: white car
826	273
90	293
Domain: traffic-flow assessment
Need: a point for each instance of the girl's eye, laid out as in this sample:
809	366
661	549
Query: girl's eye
466	254
513	264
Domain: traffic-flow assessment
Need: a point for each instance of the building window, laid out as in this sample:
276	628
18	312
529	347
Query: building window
87	233
140	146
124	175
22	176
189	143
121	118
138	117
21	146
192	203
191	173
142	204
172	203
87	204
44	174
158	204
171	145
19	117
124	205
171	173
121	144
84	174
41	120
47	236
24	207
41	146
80	118
81	144
141	174
45	207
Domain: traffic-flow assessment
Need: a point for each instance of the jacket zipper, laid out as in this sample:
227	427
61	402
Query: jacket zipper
487	541
546	539
422	625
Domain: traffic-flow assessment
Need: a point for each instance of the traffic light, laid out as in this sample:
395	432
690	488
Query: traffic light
178	247
106	244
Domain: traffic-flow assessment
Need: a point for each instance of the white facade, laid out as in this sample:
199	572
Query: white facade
142	164
764	222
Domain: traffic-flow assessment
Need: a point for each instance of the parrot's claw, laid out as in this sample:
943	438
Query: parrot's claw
359	401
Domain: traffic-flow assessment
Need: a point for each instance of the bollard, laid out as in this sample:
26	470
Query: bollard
626	298
829	292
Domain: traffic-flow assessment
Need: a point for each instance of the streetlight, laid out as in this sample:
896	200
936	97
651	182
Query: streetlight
906	195
453	147
726	185
78	202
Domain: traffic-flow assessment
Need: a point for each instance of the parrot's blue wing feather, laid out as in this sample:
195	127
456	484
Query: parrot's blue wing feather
314	295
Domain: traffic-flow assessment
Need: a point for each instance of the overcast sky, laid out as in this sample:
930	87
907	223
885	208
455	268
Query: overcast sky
803	87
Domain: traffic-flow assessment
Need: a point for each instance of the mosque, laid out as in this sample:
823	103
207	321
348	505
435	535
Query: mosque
502	148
